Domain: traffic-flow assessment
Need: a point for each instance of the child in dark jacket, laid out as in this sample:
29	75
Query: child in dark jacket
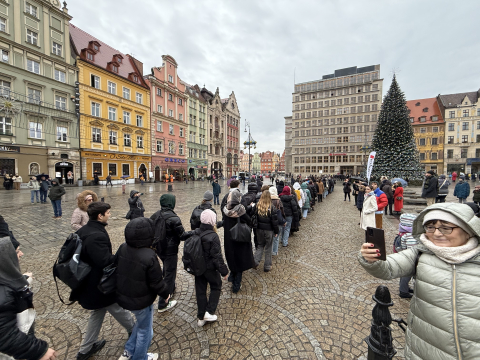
212	253
139	281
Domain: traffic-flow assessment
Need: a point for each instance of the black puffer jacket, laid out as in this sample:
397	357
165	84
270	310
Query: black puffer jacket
97	252
139	274
175	232
136	205
212	250
195	218
290	206
13	342
269	222
250	196
280	187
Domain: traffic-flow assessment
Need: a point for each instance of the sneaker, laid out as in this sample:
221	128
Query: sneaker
125	356
200	323
210	318
152	356
274	254
406	295
169	306
95	348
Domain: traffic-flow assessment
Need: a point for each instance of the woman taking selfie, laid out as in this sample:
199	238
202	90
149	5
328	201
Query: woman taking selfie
444	315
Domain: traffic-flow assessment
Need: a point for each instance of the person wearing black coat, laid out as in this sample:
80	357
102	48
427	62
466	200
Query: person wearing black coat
136	206
167	249
13	287
355	191
196	213
360	197
139	281
250	196
234	184
388	190
430	187
215	266
267	226
280	186
97	252
347	189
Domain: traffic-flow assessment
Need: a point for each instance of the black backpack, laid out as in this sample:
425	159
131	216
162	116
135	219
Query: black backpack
193	258
160	234
195	219
68	267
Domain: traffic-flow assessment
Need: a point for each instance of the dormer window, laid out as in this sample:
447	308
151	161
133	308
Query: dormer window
89	56
115	69
417	104
135	78
425	109
119	59
94	46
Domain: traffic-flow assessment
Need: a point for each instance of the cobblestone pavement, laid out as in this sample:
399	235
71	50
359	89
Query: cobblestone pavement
314	304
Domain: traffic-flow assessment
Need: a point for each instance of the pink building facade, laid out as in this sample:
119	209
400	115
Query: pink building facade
168	117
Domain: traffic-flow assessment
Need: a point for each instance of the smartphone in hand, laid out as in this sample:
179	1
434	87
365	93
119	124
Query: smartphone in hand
377	238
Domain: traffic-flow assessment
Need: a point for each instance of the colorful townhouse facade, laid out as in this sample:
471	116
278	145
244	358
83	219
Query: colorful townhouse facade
266	162
197	133
232	134
115	134
38	120
275	162
282	162
256	163
429	131
169	127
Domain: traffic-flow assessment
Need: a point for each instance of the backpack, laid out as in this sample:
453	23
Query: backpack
68	267
195	219
193	258
160	234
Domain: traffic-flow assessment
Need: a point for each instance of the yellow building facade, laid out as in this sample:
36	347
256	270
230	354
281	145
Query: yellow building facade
115	129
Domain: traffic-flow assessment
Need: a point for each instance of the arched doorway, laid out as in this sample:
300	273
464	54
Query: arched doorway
216	169
142	170
61	171
157	173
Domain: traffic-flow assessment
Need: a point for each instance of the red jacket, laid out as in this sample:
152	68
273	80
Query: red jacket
382	199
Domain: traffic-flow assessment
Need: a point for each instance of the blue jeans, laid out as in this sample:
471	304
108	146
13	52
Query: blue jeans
142	334
305	212
34	193
283	234
325	193
216	200
404	288
57	207
43	196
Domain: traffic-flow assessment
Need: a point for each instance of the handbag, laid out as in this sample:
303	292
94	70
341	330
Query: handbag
241	232
399	198
108	282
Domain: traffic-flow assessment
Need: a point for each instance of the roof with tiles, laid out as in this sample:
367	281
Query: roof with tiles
452	100
424	107
105	56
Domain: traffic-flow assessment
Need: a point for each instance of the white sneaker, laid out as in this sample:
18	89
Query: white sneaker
200	323
169	306
152	356
209	318
125	356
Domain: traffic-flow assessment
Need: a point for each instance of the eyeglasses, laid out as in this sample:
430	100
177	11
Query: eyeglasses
445	230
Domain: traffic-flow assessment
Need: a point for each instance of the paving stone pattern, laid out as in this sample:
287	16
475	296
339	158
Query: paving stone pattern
316	302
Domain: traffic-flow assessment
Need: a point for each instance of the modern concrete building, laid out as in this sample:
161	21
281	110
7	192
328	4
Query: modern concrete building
197	132
462	131
288	145
38	121
333	119
429	131
282	162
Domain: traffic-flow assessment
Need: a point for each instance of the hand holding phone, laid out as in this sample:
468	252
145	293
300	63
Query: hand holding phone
377	238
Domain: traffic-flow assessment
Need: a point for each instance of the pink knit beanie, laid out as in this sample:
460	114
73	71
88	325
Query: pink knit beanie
208	217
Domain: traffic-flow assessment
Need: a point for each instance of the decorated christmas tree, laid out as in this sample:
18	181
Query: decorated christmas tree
397	154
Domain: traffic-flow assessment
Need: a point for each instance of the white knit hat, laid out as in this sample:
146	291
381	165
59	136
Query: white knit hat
445	216
273	192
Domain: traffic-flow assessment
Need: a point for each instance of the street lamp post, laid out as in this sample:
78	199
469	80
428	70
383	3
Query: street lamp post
250	142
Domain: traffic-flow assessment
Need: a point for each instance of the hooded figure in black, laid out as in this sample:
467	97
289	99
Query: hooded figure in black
251	195
167	249
280	186
136	206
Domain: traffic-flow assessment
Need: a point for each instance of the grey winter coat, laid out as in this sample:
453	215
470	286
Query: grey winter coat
444	315
443	185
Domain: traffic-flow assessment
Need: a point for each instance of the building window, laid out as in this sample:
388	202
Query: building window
126	117
159	126
139	98
181	132
170	113
478	138
97	168
126	169
160	108
180	101
57	49
450	140
159	92
435	129
112	136
170	78
89	56
478	125
180	149
139	120
171	147
115	69
126	93
422	142
423	130
32	37
451	114
449	154
464	138
433	156
451	127
61	133
5	126
60	75
30	9
97	135
3	25
95	109
112	114
95	81
33	66
422	156
159	145
139	142
434	141
435	118
465	126
466	113
112	169
170	97
463	153
127	140
180	117
170	129
4	55
112	87
60	102
34	96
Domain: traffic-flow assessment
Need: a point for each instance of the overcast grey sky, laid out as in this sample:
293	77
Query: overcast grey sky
253	46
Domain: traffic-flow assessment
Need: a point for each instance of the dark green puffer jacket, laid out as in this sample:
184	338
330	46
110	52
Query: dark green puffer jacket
56	191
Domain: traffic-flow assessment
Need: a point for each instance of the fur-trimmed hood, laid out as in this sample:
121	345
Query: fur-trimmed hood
81	199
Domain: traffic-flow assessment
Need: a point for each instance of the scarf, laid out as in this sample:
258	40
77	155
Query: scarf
371	193
453	255
234	208
10	270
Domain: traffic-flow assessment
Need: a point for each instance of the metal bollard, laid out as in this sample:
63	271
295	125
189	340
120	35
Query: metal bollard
379	341
170	187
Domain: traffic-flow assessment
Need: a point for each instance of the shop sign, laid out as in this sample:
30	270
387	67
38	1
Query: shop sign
337	154
116	156
174	160
9	148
